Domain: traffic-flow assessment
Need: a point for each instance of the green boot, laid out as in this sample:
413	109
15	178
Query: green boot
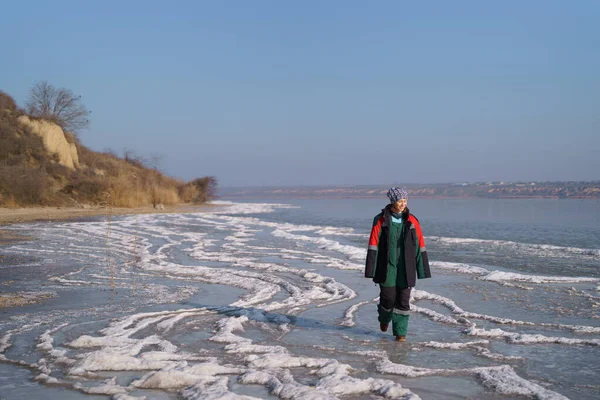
399	324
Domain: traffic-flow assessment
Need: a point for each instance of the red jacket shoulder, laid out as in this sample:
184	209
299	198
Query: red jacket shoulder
413	219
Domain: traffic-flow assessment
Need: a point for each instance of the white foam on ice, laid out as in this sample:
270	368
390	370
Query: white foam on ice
217	389
353	252
119	351
501	379
499	276
321	288
108	387
459	267
348	319
248	208
333	231
182	375
72	282
464	316
478	346
269	368
334	379
47	379
525	338
434	315
315	258
453	345
54	356
288	231
417	295
125	396
504	277
541	249
5	342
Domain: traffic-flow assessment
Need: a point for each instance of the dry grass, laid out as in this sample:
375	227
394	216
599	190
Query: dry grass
9	201
133	184
22	298
7	102
189	192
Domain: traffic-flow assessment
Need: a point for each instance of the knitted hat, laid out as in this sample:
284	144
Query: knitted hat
395	194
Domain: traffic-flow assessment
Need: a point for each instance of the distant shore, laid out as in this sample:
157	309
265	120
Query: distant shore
412	196
478	190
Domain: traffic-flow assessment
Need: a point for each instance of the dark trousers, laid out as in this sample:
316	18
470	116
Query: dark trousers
394	306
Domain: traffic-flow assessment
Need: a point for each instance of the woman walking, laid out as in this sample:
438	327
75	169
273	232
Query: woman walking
395	258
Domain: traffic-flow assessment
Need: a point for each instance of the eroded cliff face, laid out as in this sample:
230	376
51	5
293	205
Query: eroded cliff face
54	140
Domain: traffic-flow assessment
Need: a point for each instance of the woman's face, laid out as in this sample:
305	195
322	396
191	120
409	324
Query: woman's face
399	206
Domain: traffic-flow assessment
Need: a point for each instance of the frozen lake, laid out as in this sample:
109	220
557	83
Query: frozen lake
264	299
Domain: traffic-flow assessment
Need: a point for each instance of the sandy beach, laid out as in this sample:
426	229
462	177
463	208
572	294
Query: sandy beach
18	215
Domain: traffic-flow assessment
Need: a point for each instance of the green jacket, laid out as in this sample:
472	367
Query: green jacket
397	255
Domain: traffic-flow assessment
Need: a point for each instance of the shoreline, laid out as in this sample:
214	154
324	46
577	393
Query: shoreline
9	216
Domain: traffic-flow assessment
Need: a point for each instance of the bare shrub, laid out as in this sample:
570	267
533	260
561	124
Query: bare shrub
109	163
58	172
25	185
7	102
155	162
207	187
87	190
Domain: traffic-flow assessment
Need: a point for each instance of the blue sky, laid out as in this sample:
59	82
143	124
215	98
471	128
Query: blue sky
324	92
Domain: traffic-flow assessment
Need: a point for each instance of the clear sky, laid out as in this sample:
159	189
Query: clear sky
324	92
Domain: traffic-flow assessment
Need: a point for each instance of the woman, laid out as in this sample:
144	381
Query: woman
395	258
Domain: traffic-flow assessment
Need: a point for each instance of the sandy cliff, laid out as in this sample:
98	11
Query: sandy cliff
54	140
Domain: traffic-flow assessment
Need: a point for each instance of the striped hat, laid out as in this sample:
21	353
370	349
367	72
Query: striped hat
395	194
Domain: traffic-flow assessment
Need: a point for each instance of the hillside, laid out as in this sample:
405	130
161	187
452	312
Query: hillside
41	165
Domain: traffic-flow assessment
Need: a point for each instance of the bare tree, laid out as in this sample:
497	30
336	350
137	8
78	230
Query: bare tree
58	105
156	162
130	157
